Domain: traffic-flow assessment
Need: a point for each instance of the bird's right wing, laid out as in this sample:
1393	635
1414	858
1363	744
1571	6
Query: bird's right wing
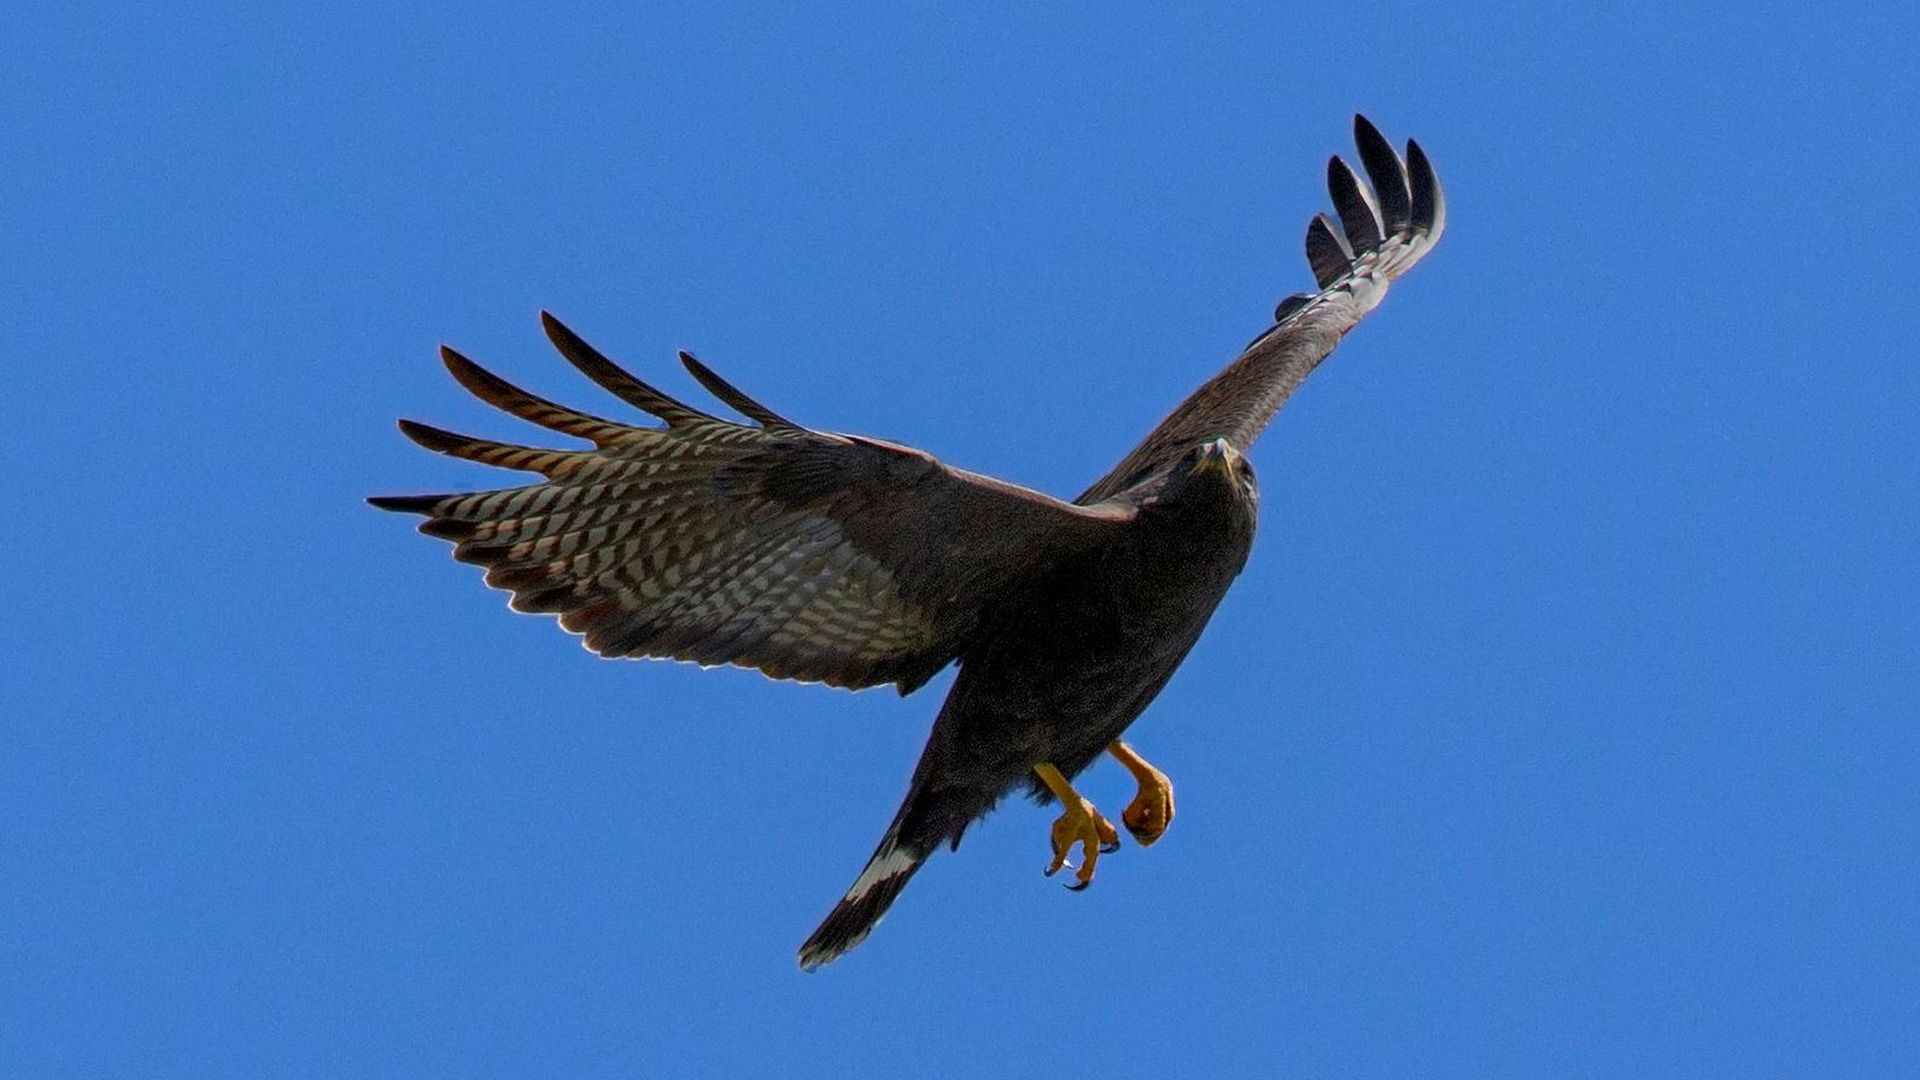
1383	232
805	554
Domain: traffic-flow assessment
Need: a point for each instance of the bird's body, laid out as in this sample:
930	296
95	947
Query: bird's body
1058	672
839	559
1063	667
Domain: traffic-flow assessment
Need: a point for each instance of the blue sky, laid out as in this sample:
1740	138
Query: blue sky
1562	724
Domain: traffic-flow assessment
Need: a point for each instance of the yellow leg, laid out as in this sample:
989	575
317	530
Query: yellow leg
1080	824
1151	811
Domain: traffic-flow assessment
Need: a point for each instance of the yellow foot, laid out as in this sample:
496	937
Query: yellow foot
1081	824
1151	811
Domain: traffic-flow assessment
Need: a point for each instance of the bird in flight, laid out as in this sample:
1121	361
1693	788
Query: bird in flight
824	557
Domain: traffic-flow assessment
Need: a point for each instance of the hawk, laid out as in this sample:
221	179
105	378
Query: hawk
824	557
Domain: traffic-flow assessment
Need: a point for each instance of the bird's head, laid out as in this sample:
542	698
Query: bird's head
1205	490
1209	471
1219	461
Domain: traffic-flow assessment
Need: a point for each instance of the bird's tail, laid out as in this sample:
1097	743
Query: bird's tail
873	892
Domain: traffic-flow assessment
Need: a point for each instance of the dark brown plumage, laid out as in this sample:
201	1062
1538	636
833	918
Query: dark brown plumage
838	559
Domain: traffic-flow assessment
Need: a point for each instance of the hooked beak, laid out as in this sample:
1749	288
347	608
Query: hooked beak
1218	456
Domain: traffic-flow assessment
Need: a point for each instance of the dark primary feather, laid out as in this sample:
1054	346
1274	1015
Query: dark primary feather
804	554
1388	174
1328	255
1377	242
615	379
1429	205
507	397
1290	304
1359	217
740	402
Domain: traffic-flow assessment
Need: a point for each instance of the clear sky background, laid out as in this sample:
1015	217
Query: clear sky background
1563	724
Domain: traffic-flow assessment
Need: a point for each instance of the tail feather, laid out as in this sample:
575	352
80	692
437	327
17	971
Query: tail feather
858	912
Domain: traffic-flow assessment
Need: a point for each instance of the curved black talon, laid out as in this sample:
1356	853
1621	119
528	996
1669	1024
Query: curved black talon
1077	886
1052	870
1108	849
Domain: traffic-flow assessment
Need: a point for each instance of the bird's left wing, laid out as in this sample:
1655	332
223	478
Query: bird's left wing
1382	233
808	555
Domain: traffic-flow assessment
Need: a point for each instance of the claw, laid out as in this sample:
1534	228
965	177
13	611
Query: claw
1079	825
1077	886
1151	811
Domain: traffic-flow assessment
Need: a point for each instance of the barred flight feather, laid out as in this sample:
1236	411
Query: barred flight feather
804	554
